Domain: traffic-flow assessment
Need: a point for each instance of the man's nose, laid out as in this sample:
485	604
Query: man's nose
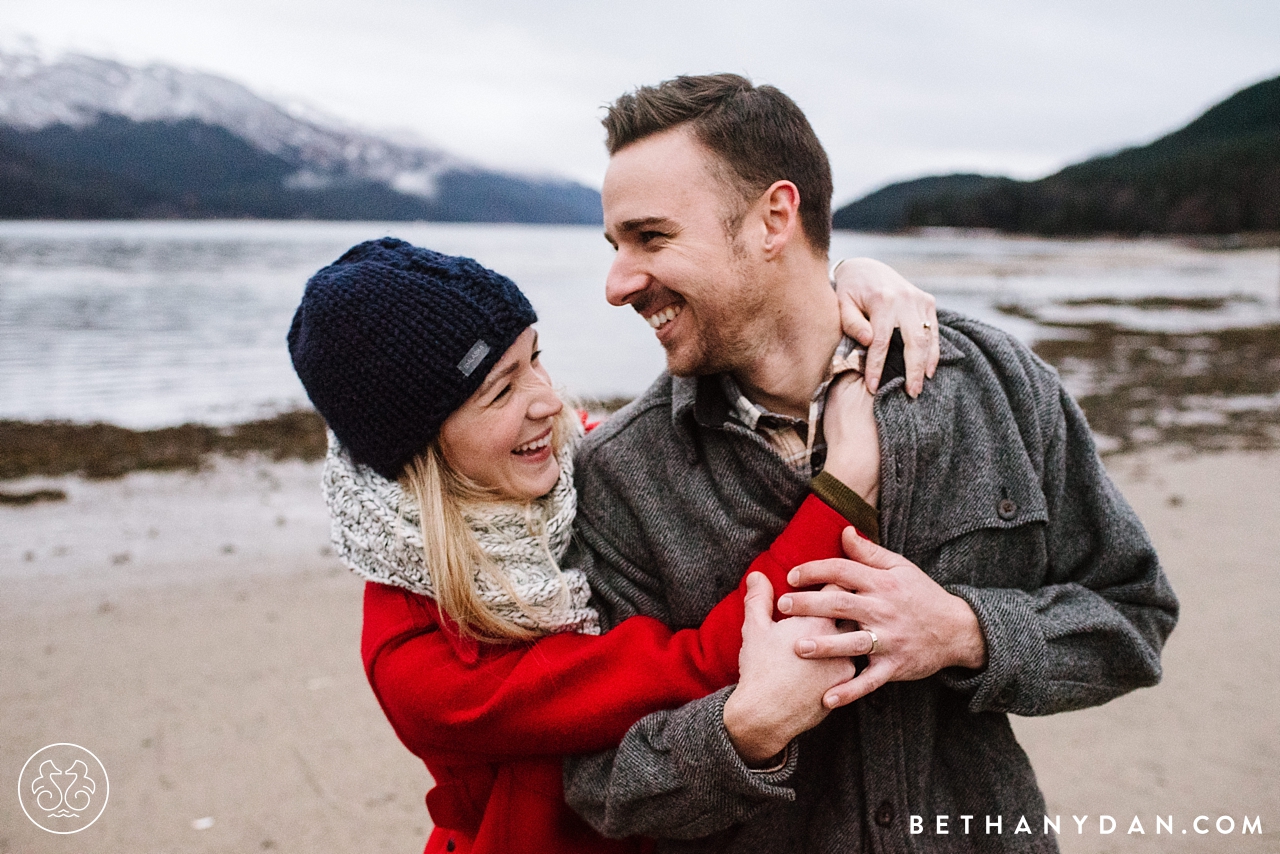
625	279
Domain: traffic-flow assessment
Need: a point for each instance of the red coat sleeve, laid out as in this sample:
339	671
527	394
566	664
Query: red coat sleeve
565	693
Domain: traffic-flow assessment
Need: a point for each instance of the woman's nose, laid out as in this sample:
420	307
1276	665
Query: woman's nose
545	404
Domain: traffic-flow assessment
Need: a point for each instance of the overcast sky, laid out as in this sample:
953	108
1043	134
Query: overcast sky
894	89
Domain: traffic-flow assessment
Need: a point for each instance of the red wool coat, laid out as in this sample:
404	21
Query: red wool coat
492	721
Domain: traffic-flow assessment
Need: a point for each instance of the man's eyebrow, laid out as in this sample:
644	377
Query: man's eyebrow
642	223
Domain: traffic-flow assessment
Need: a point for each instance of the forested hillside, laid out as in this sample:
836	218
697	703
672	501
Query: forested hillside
1218	175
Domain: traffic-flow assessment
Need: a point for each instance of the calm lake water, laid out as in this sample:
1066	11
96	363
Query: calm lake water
146	324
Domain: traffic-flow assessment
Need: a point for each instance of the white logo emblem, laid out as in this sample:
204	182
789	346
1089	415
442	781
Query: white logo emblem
473	358
63	788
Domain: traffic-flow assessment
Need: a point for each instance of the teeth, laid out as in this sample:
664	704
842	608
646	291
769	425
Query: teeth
660	319
535	445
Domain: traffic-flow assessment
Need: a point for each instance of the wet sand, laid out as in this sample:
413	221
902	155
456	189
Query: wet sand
1206	741
193	630
195	633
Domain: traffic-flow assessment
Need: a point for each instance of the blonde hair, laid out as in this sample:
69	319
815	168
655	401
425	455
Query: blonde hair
453	555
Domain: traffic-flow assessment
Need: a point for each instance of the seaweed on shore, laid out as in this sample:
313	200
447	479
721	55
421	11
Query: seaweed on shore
1209	390
100	451
33	496
1161	303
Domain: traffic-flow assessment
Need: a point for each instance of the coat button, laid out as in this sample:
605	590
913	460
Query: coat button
450	845
884	814
1007	509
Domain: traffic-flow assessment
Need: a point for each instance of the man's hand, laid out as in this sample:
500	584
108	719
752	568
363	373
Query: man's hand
778	695
874	300
919	627
853	440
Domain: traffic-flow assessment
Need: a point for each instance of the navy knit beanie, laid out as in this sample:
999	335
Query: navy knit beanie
390	339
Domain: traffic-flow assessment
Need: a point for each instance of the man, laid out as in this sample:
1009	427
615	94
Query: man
1014	577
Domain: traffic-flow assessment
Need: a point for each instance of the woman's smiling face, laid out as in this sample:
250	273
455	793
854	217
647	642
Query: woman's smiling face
501	436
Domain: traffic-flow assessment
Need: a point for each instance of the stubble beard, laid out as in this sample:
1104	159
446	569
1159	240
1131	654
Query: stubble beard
727	336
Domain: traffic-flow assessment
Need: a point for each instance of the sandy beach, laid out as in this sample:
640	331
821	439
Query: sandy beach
195	632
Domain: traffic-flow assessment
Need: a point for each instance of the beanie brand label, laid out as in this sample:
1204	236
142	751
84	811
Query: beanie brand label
474	356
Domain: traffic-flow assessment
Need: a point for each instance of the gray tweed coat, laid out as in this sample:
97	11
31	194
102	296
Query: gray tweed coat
990	482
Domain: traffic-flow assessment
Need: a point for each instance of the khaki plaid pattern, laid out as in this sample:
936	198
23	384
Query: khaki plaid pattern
798	441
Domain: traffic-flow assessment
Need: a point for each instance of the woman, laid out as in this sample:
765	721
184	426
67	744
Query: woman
450	482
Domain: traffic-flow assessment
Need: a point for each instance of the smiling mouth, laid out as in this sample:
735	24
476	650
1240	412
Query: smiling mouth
536	445
661	318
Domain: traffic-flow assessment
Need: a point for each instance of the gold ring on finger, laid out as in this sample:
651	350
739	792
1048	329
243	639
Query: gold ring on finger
875	642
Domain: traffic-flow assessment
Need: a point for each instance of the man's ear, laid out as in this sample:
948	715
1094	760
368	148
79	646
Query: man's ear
779	208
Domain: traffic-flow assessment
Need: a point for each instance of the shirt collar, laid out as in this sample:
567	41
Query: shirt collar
848	356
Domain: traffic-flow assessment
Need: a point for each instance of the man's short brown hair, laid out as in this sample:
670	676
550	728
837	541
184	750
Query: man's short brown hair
759	133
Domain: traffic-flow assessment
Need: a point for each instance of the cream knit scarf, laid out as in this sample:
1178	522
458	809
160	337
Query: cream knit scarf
378	534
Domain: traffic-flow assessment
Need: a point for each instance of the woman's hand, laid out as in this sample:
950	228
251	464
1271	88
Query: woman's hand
853	443
779	695
874	300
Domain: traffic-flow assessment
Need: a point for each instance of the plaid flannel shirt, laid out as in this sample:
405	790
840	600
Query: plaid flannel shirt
798	441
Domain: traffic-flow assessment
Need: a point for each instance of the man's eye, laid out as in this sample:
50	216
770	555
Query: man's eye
501	394
647	237
534	358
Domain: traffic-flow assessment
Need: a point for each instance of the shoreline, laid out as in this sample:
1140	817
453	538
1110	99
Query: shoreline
99	451
103	451
211	680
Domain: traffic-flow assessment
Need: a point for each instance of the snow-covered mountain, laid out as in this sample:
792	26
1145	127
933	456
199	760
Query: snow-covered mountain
86	103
